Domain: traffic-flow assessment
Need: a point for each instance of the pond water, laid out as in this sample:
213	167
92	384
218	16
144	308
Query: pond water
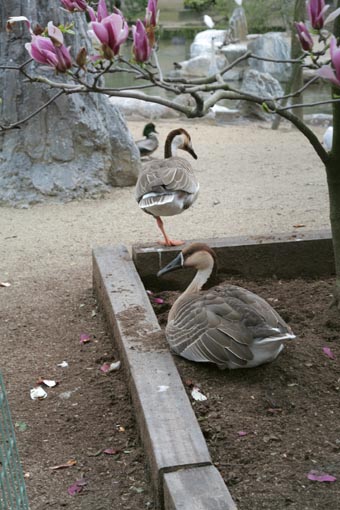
169	52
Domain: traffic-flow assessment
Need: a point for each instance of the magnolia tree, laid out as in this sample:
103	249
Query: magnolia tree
109	31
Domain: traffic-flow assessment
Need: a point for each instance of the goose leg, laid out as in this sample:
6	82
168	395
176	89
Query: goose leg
167	241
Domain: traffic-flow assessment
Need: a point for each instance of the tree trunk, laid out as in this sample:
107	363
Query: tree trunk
333	179
78	146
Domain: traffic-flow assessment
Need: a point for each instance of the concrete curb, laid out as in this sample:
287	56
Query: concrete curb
180	465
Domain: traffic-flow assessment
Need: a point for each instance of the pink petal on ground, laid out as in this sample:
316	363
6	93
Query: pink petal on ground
111	451
318	476
158	300
85	338
242	433
76	487
328	352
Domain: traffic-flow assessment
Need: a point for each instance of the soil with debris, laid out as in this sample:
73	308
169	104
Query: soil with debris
87	413
267	428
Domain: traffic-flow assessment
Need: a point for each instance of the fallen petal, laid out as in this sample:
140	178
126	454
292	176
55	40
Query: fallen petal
63	364
69	463
242	433
85	338
197	395
110	367
328	352
77	487
5	284
111	451
47	382
318	476
38	393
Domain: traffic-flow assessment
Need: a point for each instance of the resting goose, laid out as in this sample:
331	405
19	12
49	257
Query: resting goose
226	325
149	144
168	186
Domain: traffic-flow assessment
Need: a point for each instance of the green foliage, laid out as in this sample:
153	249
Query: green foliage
199	5
262	15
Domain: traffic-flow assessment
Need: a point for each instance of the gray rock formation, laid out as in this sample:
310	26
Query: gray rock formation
260	85
78	146
238	24
135	108
275	46
202	42
203	65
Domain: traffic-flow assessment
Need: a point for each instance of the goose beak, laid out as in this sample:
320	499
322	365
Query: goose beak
175	264
192	152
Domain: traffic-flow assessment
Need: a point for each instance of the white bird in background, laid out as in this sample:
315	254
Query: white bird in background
208	21
328	138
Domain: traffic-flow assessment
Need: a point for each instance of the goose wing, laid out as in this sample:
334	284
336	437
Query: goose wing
221	328
166	176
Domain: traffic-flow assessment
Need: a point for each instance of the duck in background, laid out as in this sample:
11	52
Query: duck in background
226	325
166	187
149	143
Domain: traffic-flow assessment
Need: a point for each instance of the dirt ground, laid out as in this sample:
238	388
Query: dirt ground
253	181
268	427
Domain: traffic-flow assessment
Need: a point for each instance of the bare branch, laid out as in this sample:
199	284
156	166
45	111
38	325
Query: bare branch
33	114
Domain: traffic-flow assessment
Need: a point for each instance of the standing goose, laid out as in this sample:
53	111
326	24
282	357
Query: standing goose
226	325
168	186
149	144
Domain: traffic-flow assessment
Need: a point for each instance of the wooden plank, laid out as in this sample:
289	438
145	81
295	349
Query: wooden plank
169	430
282	255
196	489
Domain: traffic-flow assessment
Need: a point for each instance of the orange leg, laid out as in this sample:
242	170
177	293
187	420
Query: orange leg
167	241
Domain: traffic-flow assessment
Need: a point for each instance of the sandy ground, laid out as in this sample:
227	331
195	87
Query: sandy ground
253	181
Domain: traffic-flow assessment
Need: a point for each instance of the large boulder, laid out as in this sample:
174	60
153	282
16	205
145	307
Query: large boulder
204	41
273	45
78	146
259	85
202	65
238	24
138	109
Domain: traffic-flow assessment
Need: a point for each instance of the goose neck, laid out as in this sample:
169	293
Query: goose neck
171	145
200	278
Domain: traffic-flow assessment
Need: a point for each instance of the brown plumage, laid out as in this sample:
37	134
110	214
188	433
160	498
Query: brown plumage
226	325
168	186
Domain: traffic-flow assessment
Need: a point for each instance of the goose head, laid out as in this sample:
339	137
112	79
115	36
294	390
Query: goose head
198	256
178	139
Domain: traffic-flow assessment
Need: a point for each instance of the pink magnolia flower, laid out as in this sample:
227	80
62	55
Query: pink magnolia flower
74	5
306	40
101	13
50	50
316	10
151	16
111	32
332	73
141	45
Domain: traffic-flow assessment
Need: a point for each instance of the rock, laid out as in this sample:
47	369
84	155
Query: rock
202	41
202	65
238	24
262	85
79	146
137	108
271	45
232	52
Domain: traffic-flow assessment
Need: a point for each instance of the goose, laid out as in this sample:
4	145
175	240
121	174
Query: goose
226	325
149	143
166	187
